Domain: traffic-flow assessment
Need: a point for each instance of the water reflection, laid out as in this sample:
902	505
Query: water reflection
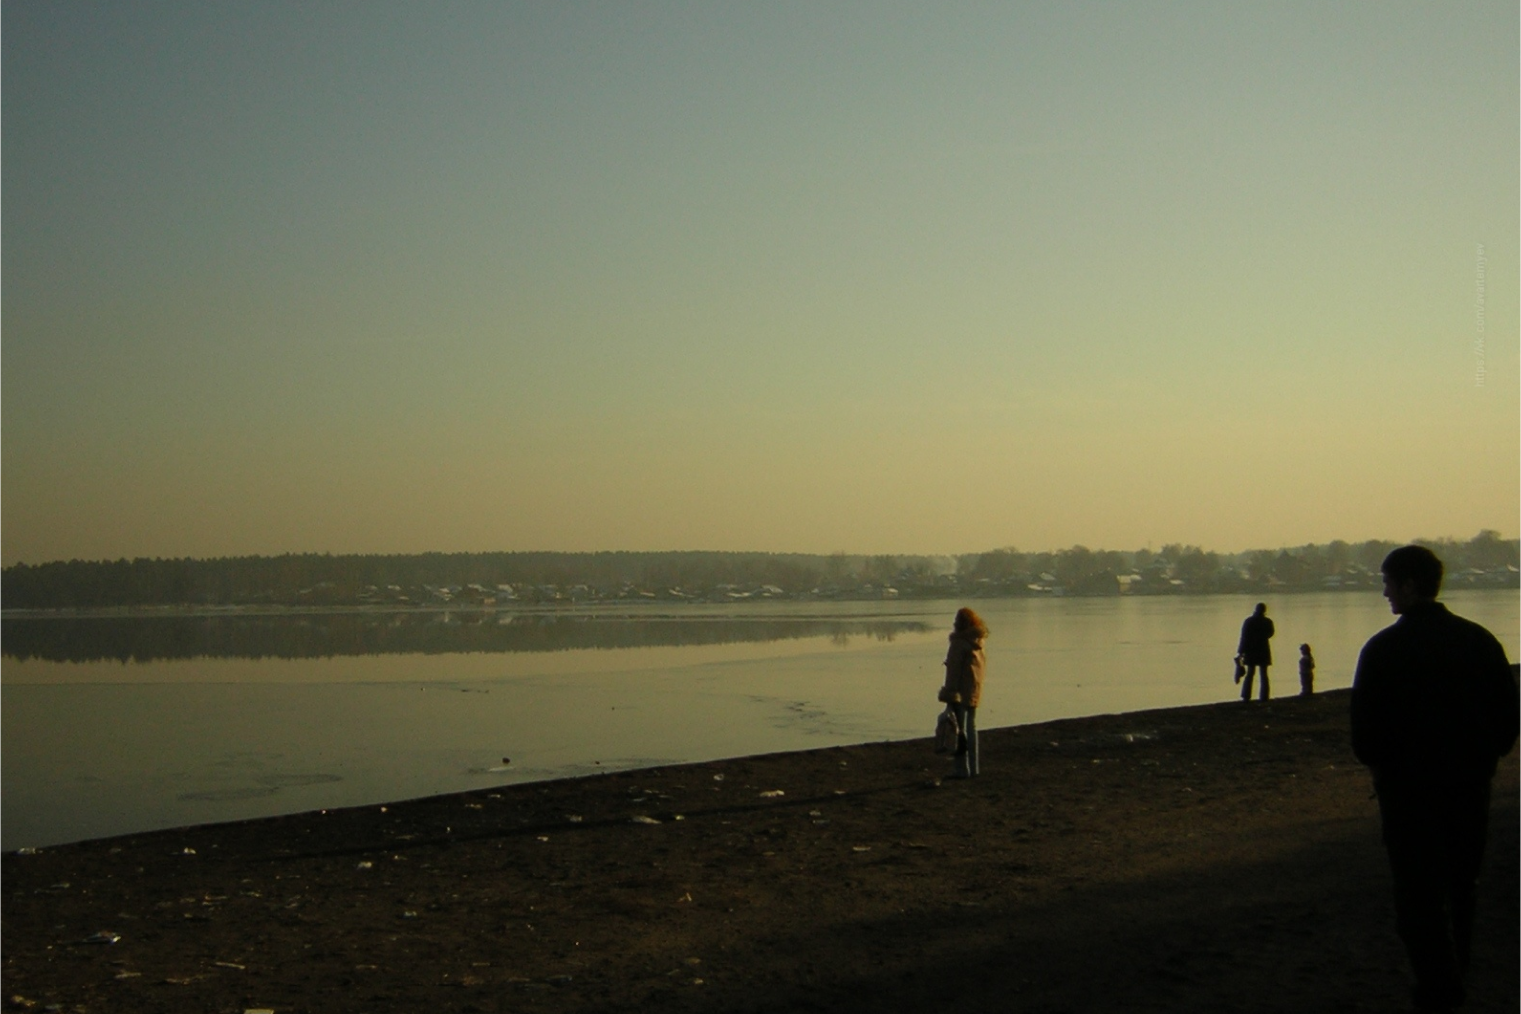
325	635
92	748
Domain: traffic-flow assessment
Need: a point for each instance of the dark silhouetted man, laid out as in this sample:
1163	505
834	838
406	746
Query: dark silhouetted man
1434	707
1254	650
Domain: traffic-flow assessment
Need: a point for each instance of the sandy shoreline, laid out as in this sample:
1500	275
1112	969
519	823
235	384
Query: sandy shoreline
1223	857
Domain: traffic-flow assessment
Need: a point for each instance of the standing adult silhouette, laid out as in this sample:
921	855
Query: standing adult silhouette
1434	707
1254	651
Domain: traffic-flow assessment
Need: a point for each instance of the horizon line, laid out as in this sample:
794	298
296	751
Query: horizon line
1421	540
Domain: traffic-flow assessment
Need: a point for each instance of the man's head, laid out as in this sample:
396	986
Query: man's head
1412	574
1261	609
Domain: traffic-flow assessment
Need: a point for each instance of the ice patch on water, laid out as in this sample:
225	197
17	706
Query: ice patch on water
292	780
265	785
227	795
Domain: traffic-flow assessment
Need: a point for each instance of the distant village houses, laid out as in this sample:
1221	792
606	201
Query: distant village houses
497	581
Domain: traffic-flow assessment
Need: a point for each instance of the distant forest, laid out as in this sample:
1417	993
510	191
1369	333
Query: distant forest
486	580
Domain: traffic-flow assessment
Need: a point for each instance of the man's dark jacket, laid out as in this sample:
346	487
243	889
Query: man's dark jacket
1433	701
1253	647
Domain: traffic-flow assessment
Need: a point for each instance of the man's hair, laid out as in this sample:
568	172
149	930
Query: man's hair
1418	564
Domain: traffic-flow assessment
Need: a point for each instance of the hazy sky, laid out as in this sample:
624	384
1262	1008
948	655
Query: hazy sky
873	277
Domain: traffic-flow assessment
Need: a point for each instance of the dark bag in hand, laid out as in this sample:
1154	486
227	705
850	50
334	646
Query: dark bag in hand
947	732
1240	669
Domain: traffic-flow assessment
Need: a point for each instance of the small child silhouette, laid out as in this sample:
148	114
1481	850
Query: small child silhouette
1306	671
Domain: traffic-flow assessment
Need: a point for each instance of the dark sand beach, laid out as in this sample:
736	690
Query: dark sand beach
1219	858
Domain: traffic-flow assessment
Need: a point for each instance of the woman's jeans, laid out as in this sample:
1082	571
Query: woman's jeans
966	746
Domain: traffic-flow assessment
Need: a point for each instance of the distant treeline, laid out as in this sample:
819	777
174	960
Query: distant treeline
497	579
323	579
1486	560
325	635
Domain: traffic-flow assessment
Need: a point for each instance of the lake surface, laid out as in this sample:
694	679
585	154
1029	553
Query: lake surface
116	725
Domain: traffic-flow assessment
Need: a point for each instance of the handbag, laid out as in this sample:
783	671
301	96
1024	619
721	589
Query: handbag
947	732
1240	668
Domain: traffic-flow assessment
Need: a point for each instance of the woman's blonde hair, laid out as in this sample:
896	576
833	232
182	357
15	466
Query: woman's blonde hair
967	619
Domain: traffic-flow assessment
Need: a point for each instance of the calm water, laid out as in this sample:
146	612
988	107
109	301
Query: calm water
227	718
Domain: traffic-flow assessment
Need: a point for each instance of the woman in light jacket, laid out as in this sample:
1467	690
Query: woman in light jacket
963	685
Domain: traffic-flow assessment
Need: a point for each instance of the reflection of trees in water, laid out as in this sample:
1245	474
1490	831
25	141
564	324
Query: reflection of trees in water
146	639
840	637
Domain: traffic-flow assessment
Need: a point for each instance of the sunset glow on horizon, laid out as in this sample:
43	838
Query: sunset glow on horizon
872	278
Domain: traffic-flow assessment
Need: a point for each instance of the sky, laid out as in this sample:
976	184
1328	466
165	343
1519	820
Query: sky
390	277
